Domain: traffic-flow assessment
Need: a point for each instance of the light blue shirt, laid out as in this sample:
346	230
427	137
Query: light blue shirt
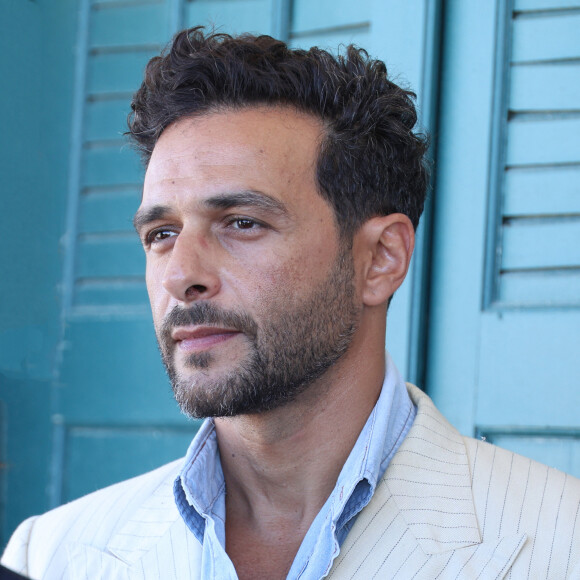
200	488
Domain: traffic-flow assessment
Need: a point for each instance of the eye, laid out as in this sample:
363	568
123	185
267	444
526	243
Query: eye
157	236
244	224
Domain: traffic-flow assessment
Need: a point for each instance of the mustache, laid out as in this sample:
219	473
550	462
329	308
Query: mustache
202	313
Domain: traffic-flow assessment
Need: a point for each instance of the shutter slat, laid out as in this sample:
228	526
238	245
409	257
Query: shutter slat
542	191
541	243
110	256
544	140
111	166
546	37
545	87
307	15
232	17
560	288
117	72
129	25
108	212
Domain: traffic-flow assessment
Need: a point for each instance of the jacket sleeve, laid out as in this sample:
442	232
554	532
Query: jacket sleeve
15	556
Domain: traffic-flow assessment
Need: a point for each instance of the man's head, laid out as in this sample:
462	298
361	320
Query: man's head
252	290
270	243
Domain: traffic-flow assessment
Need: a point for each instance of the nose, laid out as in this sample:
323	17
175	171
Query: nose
190	273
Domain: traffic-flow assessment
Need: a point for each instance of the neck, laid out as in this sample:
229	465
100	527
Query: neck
283	464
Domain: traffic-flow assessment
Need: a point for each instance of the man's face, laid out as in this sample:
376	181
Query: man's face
252	294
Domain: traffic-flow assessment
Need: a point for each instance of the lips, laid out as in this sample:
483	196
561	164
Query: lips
201	338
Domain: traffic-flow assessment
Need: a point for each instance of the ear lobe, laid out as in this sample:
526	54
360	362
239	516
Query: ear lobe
389	242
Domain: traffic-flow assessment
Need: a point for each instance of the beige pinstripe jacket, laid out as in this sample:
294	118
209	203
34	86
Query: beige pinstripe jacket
447	507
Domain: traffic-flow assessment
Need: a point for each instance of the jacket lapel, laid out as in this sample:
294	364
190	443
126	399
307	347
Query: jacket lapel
430	481
155	543
148	525
422	519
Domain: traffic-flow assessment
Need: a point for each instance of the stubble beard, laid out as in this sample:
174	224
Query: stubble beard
292	348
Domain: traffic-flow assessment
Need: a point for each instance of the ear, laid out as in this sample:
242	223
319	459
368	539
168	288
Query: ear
385	246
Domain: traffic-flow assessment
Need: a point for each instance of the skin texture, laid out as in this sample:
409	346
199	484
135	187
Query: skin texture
231	218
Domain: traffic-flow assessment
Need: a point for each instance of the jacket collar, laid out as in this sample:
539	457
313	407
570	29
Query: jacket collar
425	500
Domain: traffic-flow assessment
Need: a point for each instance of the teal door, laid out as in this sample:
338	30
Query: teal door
505	303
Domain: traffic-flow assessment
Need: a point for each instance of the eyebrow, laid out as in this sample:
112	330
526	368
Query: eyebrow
249	198
148	215
246	198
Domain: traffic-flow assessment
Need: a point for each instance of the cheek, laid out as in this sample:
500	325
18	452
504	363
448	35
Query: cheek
258	284
157	295
282	283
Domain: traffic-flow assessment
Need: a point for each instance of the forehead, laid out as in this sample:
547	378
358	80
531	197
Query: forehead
270	149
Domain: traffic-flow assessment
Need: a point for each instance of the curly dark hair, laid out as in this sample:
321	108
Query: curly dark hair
370	161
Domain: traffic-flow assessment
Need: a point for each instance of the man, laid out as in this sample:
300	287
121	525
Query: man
279	206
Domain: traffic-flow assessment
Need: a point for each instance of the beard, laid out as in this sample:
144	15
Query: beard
293	347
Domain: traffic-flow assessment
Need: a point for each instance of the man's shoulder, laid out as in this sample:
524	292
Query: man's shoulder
484	457
491	467
488	462
536	495
121	496
512	494
93	519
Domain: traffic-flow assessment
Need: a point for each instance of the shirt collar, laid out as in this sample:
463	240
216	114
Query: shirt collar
200	485
385	429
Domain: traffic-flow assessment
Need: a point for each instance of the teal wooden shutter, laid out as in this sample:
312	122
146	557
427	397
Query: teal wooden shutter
506	323
535	188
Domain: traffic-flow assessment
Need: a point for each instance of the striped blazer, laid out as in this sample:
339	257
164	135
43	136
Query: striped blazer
447	507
